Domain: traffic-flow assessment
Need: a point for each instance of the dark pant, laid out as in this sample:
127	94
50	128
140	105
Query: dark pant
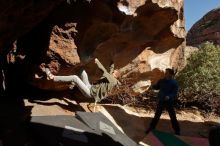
170	108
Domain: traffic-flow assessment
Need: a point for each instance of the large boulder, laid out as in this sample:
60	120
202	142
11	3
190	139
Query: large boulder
17	18
206	29
141	38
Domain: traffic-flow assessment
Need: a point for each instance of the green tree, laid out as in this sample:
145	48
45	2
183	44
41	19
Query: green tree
200	79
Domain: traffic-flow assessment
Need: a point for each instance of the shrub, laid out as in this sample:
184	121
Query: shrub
200	80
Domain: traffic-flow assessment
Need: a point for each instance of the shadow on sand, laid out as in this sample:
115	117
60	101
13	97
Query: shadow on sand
15	122
15	116
135	126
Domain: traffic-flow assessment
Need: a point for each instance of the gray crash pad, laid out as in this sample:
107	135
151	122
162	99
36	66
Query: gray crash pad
62	130
100	123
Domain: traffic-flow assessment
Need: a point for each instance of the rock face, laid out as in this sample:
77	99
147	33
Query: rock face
141	38
18	18
206	29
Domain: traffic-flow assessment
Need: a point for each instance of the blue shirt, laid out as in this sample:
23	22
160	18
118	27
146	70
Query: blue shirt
166	87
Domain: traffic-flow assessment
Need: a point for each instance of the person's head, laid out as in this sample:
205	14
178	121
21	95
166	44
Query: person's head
169	73
116	73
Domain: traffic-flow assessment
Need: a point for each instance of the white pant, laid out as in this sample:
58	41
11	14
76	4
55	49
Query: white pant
83	84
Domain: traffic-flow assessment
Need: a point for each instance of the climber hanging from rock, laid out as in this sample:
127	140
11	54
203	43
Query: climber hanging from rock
99	91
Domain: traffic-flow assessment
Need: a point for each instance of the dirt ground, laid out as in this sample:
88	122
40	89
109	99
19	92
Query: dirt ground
132	121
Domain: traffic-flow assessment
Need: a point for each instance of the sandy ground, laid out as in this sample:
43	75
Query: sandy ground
132	121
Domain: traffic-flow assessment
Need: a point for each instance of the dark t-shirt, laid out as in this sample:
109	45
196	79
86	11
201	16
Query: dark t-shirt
166	87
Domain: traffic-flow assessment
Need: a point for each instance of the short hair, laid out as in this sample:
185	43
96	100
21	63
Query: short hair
171	71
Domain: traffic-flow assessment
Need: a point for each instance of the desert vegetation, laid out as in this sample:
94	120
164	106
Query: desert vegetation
200	80
199	84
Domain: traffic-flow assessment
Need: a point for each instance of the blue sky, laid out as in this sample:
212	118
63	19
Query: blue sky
195	9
